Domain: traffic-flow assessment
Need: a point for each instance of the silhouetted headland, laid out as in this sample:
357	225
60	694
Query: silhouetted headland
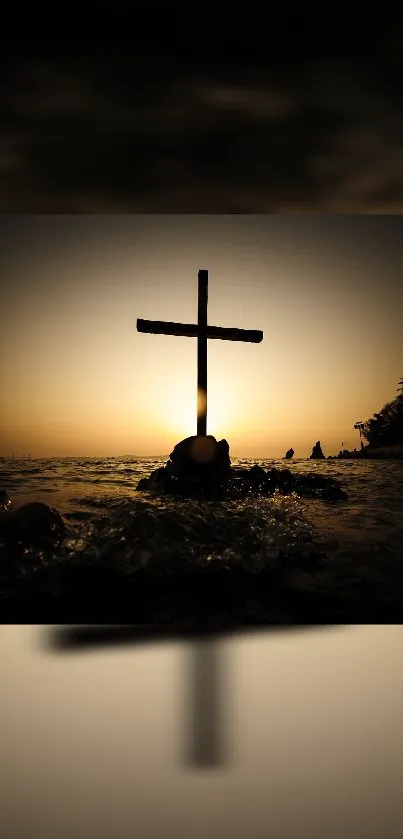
371	453
383	433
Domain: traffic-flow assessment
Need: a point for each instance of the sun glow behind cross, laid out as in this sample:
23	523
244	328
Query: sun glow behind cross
178	407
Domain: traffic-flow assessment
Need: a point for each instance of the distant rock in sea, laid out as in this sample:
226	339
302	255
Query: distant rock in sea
289	454
317	453
200	467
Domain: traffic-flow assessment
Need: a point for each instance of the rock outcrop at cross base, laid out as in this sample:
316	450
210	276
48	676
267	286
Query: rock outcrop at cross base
200	467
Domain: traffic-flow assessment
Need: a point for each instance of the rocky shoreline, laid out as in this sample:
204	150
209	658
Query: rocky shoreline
384	453
200	467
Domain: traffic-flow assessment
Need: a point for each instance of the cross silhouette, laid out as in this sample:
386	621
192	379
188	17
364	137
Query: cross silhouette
205	659
202	332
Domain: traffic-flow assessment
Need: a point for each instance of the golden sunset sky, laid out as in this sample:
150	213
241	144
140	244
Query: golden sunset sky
78	379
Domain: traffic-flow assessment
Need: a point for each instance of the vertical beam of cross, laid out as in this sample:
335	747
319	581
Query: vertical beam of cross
202	353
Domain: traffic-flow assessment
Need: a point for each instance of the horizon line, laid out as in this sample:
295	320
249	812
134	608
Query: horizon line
113	456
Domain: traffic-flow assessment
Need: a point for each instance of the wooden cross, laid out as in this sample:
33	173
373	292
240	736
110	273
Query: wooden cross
205	748
202	332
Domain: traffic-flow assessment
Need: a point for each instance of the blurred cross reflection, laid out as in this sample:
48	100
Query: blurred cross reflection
206	743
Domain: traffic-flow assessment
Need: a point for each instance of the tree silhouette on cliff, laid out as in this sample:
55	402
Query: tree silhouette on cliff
385	427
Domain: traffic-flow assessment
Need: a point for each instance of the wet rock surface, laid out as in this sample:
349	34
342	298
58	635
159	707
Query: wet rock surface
33	530
198	466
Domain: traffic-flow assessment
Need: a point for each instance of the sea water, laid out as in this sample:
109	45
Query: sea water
369	523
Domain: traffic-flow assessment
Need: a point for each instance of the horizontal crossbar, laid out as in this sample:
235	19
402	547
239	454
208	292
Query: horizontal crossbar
191	330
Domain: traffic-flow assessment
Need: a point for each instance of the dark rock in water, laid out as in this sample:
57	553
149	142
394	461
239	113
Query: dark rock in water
200	458
272	479
201	468
198	466
155	481
32	527
289	454
239	485
257	478
5	501
317	453
285	481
